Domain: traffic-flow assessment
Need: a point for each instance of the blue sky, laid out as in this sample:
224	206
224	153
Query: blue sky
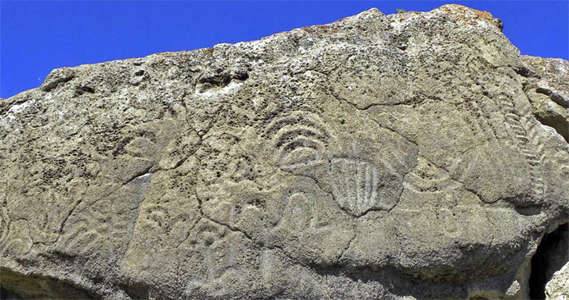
38	36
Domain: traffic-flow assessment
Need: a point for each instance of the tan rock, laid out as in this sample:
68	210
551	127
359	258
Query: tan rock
411	155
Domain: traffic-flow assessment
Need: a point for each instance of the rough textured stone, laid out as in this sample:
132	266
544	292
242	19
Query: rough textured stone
558	287
414	155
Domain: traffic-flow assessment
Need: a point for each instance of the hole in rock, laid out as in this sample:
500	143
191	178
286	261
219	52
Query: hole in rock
552	253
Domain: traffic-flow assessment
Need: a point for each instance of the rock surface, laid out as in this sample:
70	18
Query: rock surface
558	287
414	155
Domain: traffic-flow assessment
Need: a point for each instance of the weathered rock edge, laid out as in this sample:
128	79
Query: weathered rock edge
226	172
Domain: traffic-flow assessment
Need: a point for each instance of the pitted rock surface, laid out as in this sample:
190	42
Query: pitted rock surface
558	287
414	155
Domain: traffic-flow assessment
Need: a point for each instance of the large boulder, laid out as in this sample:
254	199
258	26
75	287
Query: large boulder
413	155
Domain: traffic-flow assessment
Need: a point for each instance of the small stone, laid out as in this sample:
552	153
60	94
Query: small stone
514	289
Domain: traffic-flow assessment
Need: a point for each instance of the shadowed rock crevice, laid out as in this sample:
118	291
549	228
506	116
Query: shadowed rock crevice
136	290
7	295
552	253
19	286
555	121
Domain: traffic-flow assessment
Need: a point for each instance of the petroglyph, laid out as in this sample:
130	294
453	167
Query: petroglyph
299	138
18	240
89	228
524	129
354	184
427	178
158	217
362	174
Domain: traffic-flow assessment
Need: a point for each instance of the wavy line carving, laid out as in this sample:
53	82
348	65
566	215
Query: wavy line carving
299	138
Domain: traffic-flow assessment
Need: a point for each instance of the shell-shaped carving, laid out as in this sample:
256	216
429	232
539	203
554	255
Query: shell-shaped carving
354	184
